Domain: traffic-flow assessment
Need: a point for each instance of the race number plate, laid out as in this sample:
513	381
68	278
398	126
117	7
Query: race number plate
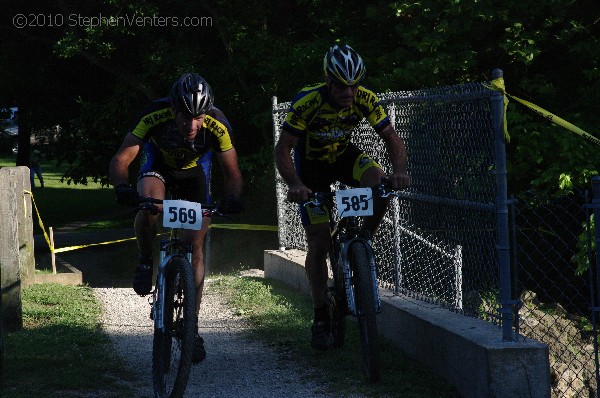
354	202
182	214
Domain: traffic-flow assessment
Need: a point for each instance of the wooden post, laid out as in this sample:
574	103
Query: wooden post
52	251
2	369
11	198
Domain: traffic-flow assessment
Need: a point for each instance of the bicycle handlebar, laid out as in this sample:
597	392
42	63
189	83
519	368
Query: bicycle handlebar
148	203
382	190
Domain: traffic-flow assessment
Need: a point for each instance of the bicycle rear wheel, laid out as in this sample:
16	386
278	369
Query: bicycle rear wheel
172	348
365	303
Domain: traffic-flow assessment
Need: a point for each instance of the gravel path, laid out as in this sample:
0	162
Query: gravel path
235	365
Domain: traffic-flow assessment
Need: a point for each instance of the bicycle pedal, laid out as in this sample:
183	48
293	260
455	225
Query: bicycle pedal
151	306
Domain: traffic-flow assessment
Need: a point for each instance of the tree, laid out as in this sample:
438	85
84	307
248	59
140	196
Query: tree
96	77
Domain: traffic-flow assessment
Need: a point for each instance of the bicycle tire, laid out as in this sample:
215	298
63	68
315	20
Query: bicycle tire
172	349
366	312
338	305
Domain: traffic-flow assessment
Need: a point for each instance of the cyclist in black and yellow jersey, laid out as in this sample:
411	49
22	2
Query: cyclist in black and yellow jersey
176	137
319	127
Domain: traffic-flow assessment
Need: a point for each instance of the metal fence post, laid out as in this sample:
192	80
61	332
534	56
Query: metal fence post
515	265
281	223
595	299
502	233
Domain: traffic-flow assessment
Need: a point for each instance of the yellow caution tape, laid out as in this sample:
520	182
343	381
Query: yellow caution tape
41	224
69	248
221	226
246	227
498	84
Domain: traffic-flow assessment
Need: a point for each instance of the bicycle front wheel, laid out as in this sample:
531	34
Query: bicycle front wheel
172	348
338	305
366	311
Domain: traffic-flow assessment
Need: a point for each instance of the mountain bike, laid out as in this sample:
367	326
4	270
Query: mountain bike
174	297
355	288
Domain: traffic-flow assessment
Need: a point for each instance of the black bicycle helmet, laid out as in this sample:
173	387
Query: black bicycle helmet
192	95
344	64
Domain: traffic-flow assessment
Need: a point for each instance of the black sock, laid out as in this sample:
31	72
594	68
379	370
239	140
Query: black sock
321	314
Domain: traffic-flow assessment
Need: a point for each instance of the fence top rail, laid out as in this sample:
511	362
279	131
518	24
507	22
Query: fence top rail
462	92
447	201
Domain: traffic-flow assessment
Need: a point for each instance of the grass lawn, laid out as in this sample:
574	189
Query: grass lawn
60	203
61	351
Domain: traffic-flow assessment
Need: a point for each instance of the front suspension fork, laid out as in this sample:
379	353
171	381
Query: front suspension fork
158	296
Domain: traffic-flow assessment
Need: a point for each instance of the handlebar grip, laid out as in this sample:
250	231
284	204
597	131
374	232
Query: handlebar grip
386	182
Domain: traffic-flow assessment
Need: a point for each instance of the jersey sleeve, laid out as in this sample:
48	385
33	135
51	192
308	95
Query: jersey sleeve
303	106
294	124
154	114
371	108
220	129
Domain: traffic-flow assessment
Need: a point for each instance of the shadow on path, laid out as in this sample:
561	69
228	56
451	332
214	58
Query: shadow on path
112	265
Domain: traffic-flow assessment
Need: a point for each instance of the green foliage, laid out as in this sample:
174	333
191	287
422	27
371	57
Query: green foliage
258	168
95	79
585	242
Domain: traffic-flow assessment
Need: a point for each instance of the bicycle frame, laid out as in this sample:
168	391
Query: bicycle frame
353	264
169	248
347	230
174	311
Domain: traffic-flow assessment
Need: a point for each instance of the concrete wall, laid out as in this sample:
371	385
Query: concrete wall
465	351
17	261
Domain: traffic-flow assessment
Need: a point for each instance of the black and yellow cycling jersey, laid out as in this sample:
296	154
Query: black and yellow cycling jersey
326	131
156	126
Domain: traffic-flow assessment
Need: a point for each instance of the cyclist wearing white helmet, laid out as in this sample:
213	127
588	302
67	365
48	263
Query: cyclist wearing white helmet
318	127
176	136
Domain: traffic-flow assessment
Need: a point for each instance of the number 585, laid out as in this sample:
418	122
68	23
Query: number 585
355	203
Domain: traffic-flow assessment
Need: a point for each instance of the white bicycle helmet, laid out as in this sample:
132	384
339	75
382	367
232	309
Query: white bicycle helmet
344	64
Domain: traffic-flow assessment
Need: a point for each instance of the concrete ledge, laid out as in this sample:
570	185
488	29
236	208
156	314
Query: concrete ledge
467	352
287	266
66	274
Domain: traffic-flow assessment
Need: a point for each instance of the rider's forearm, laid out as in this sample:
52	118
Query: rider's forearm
119	164
397	151
118	171
233	183
289	175
286	168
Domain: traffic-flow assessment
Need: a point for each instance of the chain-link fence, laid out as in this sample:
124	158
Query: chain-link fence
550	239
441	241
